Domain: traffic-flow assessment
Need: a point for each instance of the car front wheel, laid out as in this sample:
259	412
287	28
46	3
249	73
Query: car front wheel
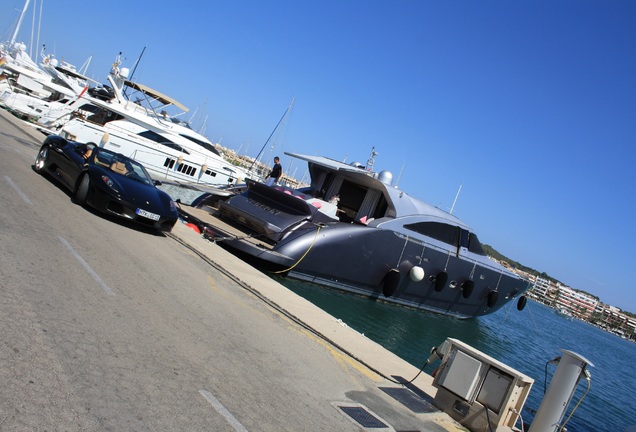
40	160
81	194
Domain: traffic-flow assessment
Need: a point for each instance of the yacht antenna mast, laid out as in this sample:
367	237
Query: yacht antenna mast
456	196
371	161
400	175
84	69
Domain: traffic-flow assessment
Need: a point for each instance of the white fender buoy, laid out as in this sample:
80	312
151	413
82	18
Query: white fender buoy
416	273
440	280
104	139
492	298
467	288
391	282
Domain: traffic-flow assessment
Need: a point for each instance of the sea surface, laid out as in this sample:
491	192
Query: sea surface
524	340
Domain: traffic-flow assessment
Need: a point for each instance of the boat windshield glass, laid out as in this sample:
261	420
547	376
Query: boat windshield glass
449	234
474	245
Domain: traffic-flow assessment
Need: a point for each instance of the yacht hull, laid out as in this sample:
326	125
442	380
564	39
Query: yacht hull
293	237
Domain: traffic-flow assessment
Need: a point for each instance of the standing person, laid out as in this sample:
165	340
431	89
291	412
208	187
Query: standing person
277	172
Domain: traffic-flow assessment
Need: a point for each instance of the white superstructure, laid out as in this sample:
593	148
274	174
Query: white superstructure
169	149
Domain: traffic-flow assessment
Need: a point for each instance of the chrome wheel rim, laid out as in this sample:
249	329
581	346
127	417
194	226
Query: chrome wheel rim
39	162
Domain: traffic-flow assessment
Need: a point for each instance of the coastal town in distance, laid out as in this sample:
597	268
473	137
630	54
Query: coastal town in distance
571	303
574	304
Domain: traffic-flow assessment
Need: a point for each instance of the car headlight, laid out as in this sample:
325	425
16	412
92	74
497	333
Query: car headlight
110	183
173	206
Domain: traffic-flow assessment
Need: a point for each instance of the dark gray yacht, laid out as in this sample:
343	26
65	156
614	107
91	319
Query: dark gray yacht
352	230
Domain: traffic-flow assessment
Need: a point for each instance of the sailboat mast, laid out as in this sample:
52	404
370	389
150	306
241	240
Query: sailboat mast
270	135
137	63
37	40
135	68
17	27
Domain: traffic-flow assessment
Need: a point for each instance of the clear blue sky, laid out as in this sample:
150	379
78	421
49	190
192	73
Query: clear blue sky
531	106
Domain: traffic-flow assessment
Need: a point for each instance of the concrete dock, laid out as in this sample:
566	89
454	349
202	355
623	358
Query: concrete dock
402	403
370	358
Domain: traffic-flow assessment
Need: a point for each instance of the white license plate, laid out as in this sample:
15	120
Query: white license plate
147	214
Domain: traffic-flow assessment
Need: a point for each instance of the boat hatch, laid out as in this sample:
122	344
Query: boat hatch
268	211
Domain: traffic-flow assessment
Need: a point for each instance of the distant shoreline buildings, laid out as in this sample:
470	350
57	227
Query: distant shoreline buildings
580	305
256	166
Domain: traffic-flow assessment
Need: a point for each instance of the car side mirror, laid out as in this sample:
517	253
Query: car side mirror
157	183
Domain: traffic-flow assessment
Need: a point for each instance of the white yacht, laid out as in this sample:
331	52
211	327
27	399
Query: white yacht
66	74
27	90
143	130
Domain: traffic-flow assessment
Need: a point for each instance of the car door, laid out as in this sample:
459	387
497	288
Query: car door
70	165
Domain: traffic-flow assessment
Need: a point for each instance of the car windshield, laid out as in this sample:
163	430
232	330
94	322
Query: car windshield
120	164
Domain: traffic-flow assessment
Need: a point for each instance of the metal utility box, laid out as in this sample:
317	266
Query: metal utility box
475	389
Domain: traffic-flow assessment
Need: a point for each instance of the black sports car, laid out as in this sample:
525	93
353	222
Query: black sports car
110	182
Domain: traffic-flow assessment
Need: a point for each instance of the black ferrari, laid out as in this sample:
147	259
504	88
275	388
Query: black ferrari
108	181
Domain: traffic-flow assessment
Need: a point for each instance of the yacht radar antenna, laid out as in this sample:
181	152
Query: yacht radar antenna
371	161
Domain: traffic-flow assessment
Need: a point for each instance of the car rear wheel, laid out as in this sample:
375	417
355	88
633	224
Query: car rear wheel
40	160
81	194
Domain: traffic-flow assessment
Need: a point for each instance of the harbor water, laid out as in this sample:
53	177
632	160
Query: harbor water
524	340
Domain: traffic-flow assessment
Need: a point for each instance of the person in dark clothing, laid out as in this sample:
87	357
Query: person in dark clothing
277	172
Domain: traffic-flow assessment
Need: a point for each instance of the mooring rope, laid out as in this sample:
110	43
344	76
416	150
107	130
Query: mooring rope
304	255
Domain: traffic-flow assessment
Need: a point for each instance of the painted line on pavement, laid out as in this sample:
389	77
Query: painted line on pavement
223	411
17	189
88	268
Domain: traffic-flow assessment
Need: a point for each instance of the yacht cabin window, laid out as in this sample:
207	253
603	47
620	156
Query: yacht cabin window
160	139
205	145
